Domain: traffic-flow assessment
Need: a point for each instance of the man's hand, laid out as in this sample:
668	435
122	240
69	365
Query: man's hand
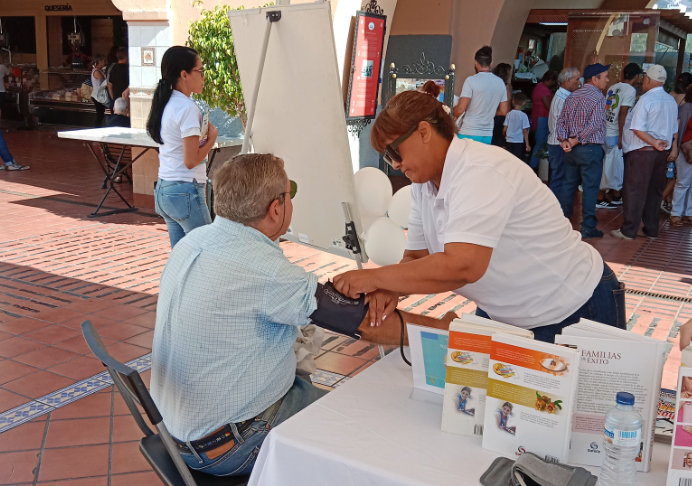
660	145
354	283
566	146
528	147
382	304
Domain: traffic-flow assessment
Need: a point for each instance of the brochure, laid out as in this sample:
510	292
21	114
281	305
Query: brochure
204	127
680	466
531	392
428	348
466	380
612	360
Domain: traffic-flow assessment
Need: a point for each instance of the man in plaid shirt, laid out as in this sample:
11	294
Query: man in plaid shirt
581	130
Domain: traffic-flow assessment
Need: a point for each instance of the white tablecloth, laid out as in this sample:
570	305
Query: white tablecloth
370	431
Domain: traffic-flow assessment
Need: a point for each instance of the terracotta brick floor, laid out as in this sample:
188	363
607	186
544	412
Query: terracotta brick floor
59	268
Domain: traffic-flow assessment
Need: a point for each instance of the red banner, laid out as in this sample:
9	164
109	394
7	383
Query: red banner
365	70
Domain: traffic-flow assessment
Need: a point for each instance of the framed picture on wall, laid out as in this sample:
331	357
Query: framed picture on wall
148	56
532	45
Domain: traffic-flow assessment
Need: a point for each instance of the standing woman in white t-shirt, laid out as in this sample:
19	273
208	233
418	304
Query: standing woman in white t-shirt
175	123
483	225
97	77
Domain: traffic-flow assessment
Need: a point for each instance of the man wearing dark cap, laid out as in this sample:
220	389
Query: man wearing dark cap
620	98
581	130
649	141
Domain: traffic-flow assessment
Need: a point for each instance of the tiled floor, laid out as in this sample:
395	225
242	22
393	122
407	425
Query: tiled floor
61	422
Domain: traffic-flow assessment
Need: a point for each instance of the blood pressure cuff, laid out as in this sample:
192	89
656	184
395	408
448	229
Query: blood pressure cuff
337	312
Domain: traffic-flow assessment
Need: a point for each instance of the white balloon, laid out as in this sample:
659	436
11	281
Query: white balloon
367	219
373	191
400	207
385	242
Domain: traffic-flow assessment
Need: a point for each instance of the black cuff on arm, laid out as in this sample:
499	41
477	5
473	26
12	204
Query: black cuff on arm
337	312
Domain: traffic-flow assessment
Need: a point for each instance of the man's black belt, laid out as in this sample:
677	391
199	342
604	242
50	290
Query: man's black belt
215	439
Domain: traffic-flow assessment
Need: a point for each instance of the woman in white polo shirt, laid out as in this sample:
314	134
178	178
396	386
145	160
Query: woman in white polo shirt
175	123
483	225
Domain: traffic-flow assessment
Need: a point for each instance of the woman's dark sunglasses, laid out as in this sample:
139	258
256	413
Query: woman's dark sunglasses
391	154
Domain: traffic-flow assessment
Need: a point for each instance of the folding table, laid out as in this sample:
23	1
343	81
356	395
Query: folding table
128	138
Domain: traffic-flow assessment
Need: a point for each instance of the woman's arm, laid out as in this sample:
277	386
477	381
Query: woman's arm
458	265
98	74
193	154
547	99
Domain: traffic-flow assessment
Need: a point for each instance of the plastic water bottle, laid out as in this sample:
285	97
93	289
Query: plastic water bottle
670	173
622	438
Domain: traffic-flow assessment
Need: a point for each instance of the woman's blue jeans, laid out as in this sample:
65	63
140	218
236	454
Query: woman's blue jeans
5	154
606	305
182	205
541	139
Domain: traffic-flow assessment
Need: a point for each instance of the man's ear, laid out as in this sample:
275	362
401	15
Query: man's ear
275	211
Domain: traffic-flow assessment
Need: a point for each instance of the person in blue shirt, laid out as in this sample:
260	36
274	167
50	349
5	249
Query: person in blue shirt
228	316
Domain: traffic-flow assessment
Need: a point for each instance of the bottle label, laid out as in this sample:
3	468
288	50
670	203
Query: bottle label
622	438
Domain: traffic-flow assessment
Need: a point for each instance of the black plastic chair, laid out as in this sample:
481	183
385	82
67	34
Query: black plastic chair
159	449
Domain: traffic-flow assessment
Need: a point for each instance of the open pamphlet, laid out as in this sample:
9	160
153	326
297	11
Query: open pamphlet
612	360
204	127
680	466
530	397
468	355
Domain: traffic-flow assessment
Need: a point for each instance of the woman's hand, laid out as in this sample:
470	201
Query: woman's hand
382	304
673	154
213	134
355	282
685	334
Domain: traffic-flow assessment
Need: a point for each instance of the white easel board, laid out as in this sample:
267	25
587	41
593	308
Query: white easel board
300	115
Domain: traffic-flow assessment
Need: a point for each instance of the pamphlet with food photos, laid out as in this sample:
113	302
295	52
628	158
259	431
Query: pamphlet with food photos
612	360
466	380
680	466
530	397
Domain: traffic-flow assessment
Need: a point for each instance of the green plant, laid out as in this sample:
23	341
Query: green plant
211	37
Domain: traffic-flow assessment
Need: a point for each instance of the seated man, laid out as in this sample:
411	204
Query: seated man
223	365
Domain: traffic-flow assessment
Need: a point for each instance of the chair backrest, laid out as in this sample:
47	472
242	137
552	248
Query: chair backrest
133	390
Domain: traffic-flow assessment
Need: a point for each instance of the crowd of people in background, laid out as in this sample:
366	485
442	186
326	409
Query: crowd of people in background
615	142
110	80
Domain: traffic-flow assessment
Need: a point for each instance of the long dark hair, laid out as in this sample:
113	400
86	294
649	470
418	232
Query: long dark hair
175	60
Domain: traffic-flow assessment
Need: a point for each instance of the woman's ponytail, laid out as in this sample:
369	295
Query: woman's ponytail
175	60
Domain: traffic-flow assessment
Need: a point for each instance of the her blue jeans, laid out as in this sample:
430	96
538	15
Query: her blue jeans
5	154
182	205
541	139
606	305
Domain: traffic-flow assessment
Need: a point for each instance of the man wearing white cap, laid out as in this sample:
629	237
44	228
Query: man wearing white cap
646	141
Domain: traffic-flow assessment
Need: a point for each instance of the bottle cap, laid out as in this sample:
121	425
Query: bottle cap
624	398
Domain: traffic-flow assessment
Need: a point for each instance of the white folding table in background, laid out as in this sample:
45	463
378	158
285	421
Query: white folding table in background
128	138
369	431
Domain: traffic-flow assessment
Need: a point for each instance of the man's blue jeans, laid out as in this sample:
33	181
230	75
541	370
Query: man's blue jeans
541	138
606	305
583	165
5	154
182	205
556	157
241	458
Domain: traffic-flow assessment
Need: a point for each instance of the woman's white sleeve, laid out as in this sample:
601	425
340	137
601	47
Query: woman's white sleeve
190	122
416	235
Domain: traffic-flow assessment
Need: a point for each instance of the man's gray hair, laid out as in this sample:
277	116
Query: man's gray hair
567	74
246	185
